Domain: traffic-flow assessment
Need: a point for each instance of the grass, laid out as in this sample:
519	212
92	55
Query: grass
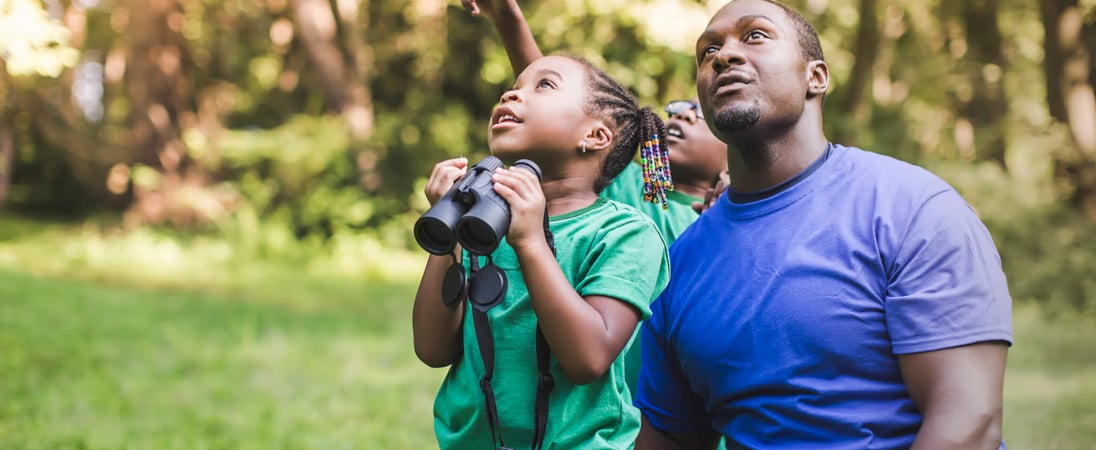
97	367
142	341
1050	382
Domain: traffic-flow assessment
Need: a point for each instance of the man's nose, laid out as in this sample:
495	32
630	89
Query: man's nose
730	54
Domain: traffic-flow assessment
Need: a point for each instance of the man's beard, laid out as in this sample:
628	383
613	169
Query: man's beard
737	119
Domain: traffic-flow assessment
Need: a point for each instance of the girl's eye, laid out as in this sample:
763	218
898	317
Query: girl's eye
545	84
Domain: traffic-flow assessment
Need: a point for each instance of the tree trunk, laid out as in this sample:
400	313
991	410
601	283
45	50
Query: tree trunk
7	138
7	158
1070	46
987	108
857	106
1050	10
344	86
158	90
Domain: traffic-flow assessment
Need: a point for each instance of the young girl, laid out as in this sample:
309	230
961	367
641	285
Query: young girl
571	314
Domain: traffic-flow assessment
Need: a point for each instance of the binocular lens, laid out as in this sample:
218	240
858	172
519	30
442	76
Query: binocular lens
477	236
434	236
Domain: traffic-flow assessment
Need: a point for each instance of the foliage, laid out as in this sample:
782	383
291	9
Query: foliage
31	43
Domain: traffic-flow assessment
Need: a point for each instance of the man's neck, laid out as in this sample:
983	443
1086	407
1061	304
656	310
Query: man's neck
761	158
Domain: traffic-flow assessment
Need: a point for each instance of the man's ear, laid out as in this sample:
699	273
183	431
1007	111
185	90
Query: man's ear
599	138
818	78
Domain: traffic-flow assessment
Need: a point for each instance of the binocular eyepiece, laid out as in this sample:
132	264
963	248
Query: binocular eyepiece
470	213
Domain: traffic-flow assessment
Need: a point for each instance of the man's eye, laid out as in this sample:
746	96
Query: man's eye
754	35
711	49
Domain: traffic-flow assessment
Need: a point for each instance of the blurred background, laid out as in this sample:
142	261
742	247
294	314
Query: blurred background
206	204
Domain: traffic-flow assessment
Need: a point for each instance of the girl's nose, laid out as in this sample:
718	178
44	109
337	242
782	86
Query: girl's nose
688	115
510	95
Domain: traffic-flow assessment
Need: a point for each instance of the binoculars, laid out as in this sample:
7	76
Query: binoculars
471	213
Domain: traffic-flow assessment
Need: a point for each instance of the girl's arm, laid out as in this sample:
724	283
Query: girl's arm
586	334
436	328
520	45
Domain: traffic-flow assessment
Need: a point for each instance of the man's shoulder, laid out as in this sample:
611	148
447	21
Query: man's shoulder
891	174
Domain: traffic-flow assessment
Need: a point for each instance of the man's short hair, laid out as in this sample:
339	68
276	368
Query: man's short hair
808	36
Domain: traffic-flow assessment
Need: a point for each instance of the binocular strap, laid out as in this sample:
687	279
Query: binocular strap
545	382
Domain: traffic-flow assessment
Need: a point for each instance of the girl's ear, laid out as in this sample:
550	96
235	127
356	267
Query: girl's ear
599	138
818	78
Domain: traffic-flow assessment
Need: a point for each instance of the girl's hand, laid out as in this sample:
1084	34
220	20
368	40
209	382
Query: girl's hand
713	193
521	189
493	9
444	176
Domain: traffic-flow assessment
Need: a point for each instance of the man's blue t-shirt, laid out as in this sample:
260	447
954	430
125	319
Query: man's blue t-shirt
783	318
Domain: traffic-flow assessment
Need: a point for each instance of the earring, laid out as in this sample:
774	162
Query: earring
584	146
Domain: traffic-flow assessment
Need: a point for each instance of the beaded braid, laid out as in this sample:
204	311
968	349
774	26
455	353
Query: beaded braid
655	162
636	128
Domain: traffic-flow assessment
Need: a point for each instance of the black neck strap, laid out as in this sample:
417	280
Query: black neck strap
545	382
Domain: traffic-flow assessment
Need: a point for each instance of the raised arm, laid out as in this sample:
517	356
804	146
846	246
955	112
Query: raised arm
514	31
437	329
958	391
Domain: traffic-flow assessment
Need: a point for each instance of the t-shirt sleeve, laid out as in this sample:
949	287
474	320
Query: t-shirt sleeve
946	287
663	392
628	263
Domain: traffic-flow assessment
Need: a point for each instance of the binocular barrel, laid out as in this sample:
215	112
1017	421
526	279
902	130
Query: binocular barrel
471	213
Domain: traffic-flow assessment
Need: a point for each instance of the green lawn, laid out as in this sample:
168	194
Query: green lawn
1050	383
86	366
93	366
145	341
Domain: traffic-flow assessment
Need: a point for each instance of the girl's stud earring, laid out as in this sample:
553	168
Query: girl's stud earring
584	146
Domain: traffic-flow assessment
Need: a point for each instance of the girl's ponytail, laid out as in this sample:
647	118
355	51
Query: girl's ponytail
636	128
654	159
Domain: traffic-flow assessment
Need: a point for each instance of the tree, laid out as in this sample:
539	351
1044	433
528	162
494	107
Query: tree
343	79
31	46
857	103
1070	45
987	107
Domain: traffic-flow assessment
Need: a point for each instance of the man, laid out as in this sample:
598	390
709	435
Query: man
832	297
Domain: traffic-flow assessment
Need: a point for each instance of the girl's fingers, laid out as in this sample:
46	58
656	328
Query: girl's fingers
523	182
444	175
471	6
453	162
507	193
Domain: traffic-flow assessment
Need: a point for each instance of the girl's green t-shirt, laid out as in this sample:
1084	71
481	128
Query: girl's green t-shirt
607	249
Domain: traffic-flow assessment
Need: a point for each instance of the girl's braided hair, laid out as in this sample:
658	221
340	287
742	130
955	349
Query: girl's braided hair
636	128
